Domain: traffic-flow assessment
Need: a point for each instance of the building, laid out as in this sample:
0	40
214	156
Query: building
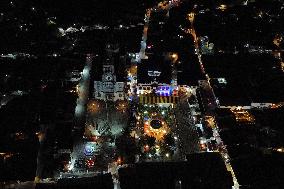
246	81
154	77
200	171
101	181
109	89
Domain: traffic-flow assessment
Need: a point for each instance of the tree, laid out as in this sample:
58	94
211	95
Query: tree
150	140
169	140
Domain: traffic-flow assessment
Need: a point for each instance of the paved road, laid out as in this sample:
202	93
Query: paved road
80	110
211	101
83	96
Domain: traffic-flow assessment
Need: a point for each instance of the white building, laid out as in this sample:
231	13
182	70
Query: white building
160	89
109	89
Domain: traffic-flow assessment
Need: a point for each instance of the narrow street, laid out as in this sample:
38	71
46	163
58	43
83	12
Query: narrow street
210	92
80	111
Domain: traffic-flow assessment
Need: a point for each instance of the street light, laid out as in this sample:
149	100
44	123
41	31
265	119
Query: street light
119	161
174	56
93	106
222	7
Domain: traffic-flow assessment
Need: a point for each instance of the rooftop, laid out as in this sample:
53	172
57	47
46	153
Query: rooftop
189	71
115	60
204	170
154	68
260	171
247	78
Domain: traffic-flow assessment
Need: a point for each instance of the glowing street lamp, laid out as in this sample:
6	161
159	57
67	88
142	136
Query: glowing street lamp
222	7
119	161
191	16
146	148
121	106
174	55
93	107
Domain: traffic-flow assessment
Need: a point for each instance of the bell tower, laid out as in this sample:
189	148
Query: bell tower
109	89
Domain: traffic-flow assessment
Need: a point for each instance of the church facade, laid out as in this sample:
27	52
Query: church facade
109	89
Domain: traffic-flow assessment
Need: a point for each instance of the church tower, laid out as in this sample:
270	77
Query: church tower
109	89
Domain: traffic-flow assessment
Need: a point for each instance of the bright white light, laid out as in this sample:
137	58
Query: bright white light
70	166
85	72
79	109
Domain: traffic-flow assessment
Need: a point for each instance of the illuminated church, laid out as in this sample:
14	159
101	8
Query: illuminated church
109	88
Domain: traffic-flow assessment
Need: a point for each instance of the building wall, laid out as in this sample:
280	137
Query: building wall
119	96
99	95
109	90
161	89
144	89
108	87
119	87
